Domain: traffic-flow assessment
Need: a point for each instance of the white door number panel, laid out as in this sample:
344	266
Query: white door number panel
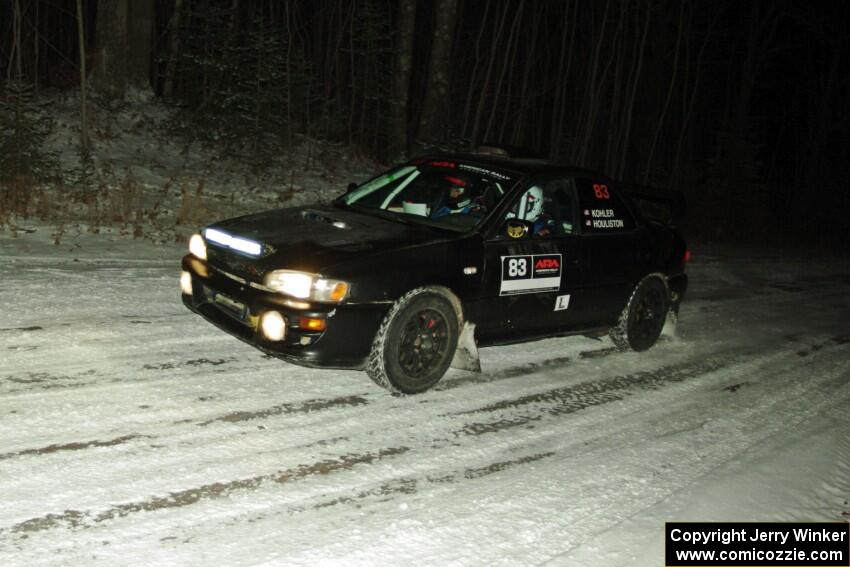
562	302
530	274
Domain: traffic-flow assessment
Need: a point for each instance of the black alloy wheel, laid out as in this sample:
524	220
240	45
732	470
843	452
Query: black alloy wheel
424	341
642	320
648	316
416	341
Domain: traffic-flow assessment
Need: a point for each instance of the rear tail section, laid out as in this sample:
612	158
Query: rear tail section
661	205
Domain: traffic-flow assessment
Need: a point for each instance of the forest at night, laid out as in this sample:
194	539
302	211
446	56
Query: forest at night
741	106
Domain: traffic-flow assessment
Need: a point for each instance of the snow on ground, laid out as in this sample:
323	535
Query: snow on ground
133	432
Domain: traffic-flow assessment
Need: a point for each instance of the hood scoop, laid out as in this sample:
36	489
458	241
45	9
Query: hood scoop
316	216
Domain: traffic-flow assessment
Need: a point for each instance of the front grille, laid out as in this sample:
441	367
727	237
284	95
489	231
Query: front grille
233	265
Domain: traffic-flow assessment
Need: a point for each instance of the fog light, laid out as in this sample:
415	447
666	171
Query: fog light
273	325
312	323
186	282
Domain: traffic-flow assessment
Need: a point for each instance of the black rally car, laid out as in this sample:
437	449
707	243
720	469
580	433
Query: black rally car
407	273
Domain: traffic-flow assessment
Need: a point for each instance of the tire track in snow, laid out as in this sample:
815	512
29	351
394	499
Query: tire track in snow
192	362
570	399
411	485
523	369
837	340
75	446
30	381
306	406
75	519
362	399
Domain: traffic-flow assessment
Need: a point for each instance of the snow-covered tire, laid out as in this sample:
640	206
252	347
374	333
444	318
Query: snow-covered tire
641	321
416	341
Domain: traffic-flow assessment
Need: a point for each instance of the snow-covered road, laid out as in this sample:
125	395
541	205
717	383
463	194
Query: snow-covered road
133	432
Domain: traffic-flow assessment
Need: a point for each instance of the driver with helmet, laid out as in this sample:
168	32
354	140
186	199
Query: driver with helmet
457	201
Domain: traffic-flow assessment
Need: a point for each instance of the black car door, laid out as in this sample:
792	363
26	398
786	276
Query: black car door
608	247
533	274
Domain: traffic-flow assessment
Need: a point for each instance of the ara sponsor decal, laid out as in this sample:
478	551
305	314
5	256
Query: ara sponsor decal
562	302
530	274
547	265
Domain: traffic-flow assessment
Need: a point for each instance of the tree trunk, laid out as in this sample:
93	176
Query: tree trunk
110	71
140	41
561	99
403	66
512	36
35	41
435	108
173	49
486	85
16	41
84	129
583	126
670	88
472	83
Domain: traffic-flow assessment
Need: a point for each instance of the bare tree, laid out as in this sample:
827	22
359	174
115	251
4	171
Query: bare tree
173	49
110	75
484	88
507	63
403	66
689	96
84	130
433	120
670	89
16	41
140	43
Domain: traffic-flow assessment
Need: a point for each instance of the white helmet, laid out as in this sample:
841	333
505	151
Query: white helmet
531	204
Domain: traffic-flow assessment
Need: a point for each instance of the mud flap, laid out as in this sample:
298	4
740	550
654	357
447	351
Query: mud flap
466	353
671	323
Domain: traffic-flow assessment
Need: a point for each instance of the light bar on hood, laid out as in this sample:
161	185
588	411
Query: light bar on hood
237	243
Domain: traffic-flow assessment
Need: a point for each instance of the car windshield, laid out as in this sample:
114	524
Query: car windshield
445	194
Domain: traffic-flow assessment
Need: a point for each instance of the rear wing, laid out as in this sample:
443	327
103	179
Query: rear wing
654	203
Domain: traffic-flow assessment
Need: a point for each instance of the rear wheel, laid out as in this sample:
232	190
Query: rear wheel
416	342
640	323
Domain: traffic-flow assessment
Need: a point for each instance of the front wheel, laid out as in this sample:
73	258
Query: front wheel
416	342
642	320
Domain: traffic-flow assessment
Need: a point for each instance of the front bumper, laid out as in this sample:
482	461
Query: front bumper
236	307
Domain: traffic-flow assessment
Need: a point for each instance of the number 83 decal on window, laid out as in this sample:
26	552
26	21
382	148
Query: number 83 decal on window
530	274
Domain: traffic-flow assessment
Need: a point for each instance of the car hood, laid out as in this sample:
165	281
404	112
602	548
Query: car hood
316	238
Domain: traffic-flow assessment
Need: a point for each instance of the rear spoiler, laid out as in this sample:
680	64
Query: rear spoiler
654	203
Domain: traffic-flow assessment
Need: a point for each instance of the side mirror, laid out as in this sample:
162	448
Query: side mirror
351	187
516	228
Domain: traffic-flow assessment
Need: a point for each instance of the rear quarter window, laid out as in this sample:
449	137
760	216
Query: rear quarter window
602	210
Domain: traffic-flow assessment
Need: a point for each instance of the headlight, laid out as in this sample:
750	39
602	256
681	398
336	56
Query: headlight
197	247
307	286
